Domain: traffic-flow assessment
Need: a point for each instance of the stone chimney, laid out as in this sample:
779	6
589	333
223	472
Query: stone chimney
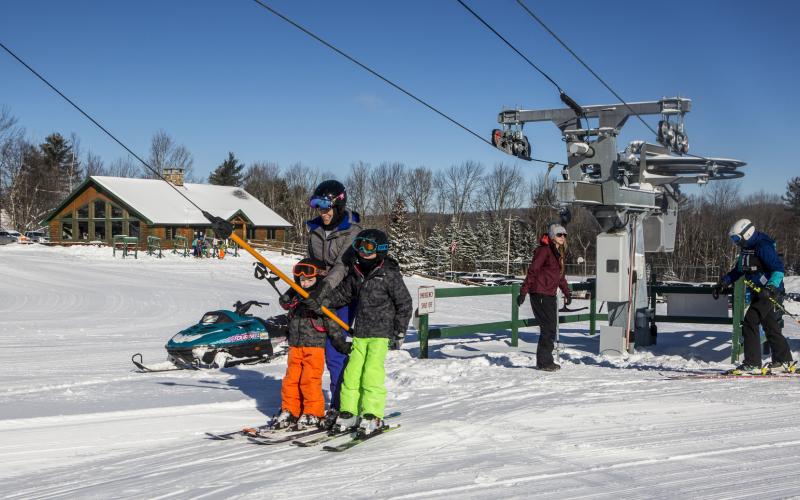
174	175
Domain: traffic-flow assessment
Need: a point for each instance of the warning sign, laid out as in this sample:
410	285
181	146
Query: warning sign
427	300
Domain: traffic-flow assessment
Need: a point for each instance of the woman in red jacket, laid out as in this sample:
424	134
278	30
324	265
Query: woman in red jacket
545	275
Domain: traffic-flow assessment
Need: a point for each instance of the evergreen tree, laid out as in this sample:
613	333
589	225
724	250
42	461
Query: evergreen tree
453	235
792	196
470	247
486	241
229	173
436	251
403	247
60	162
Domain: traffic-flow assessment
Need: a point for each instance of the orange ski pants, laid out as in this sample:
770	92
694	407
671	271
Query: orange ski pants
301	390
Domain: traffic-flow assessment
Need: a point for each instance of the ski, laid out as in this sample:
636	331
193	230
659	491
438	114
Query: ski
724	375
267	440
241	432
359	439
304	443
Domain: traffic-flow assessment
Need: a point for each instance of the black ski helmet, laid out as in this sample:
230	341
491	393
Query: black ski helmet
333	191
374	235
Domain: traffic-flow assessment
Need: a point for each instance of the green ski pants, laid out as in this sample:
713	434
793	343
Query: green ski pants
363	389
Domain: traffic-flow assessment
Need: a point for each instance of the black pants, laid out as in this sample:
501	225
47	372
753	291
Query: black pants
544	309
761	311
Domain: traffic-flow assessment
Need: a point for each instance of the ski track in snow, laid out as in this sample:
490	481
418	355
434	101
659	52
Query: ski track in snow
76	421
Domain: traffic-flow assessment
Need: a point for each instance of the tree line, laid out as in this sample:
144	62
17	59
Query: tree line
465	216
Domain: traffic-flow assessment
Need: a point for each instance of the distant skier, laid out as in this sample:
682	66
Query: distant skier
384	309
302	401
331	235
760	263
545	276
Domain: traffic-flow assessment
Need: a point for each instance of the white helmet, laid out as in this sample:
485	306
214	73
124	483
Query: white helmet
741	231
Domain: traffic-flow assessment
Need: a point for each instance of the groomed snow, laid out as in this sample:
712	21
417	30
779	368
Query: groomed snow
76	420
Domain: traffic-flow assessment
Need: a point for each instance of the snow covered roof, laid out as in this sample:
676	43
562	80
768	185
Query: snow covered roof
161	204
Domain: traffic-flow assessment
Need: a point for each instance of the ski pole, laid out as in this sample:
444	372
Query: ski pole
777	304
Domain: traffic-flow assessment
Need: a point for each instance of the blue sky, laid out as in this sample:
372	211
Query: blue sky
223	76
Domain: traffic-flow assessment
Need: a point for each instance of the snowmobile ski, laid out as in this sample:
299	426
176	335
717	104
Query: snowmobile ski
166	366
360	439
304	443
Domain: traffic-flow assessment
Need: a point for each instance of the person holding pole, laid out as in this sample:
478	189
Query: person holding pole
762	268
545	276
330	237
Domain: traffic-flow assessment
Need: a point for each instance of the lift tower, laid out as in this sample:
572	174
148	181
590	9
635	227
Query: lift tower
633	194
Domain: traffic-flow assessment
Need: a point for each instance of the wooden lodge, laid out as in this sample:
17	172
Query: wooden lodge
104	207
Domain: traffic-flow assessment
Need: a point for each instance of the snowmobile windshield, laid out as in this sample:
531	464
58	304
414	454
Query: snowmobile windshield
214	318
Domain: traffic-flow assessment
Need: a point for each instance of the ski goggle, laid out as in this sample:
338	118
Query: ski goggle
324	203
369	246
304	270
736	238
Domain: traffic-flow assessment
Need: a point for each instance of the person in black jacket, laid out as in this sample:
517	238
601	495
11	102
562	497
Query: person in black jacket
381	318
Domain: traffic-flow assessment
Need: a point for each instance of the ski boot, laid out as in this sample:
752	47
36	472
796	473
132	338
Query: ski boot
781	367
329	420
550	368
369	425
345	421
307	421
283	420
745	369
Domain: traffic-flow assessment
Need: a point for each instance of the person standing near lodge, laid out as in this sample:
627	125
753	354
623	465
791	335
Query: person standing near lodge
545	276
331	236
759	263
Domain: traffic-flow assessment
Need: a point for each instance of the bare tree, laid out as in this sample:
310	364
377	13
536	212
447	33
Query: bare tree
123	167
386	185
94	165
418	190
358	187
501	190
166	153
460	183
300	183
263	180
440	193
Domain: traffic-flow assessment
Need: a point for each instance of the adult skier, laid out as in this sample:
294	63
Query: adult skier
331	236
384	309
760	263
545	276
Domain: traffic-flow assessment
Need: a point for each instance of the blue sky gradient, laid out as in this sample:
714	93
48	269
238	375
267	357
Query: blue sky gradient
223	76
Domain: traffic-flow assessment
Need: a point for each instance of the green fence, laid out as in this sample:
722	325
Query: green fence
592	316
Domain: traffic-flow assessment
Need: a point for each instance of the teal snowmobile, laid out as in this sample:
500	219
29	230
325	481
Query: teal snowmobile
225	338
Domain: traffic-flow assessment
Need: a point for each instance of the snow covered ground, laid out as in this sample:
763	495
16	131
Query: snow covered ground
77	421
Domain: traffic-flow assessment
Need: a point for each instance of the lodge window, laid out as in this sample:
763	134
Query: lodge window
271	233
251	233
117	228
99	209
83	212
83	229
66	228
116	212
99	230
133	228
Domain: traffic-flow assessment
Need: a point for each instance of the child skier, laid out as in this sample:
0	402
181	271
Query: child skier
302	401
381	319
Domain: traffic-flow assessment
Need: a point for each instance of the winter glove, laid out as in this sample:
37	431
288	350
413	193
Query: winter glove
567	299
313	305
288	299
718	288
396	342
342	344
520	299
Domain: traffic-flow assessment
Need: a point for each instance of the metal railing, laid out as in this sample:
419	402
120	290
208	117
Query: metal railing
427	332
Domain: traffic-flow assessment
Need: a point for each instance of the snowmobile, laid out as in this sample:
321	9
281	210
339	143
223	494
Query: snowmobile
225	338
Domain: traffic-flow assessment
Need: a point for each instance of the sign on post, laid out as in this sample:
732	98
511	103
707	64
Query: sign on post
426	296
